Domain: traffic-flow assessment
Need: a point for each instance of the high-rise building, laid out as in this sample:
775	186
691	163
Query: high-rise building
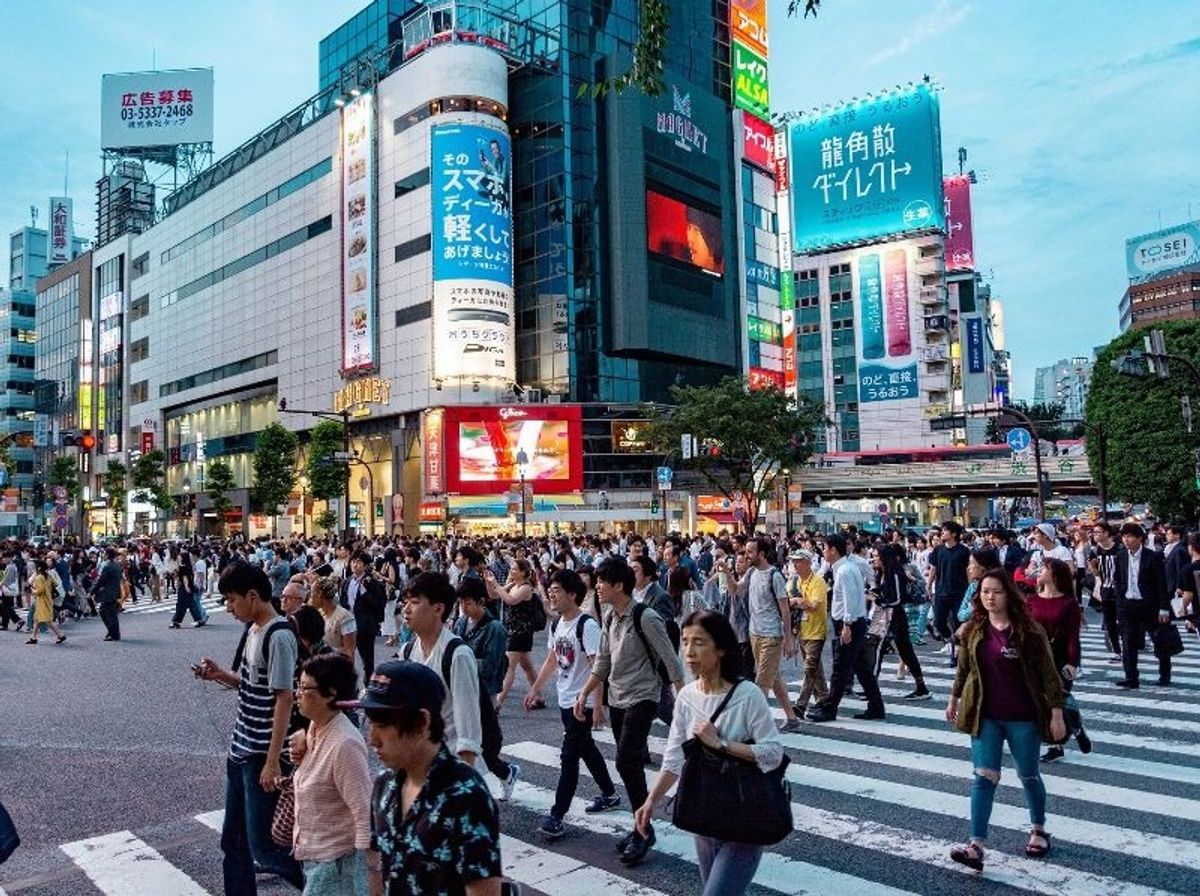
1065	382
28	256
1164	277
452	244
17	342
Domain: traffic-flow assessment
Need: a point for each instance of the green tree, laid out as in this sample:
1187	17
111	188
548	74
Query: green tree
274	466
327	519
150	480
750	435
326	477
218	482
1150	452
64	471
116	486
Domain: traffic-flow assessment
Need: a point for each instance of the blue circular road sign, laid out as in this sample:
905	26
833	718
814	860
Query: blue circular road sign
1019	439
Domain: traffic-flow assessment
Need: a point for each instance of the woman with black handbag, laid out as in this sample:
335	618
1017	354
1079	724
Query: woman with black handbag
724	750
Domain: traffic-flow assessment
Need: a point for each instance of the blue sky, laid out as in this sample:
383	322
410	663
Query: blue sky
1079	117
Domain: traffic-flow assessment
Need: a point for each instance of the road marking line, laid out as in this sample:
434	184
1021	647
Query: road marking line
120	864
892	841
534	867
214	820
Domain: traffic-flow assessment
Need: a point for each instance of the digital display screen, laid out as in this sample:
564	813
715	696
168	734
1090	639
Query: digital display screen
687	234
487	451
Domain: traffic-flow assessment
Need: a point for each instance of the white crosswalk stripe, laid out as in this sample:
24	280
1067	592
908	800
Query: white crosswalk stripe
167	605
120	864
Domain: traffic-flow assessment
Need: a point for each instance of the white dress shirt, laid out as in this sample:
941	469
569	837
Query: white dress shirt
1132	591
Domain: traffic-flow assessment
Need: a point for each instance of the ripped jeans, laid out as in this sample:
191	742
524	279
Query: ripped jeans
1024	742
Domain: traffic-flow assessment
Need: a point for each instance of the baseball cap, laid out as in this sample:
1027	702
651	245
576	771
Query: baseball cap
1046	529
400	684
801	555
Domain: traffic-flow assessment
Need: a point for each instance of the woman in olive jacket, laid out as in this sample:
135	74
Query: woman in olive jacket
1006	688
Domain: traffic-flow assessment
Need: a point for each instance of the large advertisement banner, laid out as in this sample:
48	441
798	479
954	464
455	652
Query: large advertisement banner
960	242
759	141
484	446
867	169
887	365
975	345
750	88
433	450
61	231
1163	251
358	235
748	23
473	306
166	108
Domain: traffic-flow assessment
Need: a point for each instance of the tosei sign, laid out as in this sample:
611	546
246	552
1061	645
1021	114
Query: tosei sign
1163	251
165	108
867	169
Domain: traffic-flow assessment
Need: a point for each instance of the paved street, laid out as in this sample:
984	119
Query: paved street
113	768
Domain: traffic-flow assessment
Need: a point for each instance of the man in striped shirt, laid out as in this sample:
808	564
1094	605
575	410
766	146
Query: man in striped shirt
265	665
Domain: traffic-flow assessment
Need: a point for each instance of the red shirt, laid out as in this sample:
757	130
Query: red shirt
1060	617
1006	697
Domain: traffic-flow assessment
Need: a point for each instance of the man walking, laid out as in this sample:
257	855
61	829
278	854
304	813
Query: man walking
107	594
770	624
1143	603
948	576
807	595
363	595
633	648
849	613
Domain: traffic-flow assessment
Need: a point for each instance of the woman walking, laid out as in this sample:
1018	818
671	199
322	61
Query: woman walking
744	730
332	829
892	586
187	599
1057	611
43	604
1006	689
517	597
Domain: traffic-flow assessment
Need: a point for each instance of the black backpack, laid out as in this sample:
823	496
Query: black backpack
486	706
659	666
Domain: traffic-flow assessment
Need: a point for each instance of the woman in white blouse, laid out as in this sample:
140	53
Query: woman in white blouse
744	729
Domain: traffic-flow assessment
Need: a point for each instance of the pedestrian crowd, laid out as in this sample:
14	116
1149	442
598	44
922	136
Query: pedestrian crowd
409	649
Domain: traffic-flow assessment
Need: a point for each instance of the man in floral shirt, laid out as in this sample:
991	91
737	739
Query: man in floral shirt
435	828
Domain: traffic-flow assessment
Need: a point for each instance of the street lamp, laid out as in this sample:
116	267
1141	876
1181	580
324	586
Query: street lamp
303	483
187	504
787	501
522	463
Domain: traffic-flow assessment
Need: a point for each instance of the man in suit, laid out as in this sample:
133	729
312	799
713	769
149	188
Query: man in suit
365	596
1175	554
1143	602
1012	557
107	593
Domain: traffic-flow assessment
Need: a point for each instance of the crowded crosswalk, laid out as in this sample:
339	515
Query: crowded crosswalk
877	806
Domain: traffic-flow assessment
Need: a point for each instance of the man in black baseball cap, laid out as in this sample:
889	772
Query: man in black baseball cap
434	824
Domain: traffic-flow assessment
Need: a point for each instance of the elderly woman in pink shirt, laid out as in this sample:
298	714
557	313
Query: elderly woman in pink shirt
332	783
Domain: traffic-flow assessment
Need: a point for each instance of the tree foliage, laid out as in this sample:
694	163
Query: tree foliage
1047	417
64	471
325	476
756	433
150	480
327	519
1149	450
116	486
274	466
218	482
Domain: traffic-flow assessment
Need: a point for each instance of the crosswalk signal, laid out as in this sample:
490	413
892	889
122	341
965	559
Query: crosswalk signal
654	505
70	439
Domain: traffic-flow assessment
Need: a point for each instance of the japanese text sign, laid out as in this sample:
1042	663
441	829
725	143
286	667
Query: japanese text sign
960	246
358	235
164	108
759	141
749	73
887	368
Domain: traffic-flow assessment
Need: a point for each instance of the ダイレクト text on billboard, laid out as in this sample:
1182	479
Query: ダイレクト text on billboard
865	170
960	245
473	309
358	235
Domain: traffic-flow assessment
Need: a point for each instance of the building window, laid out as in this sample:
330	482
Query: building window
257	362
412	182
139	350
414	313
415	247
139	392
139	308
139	266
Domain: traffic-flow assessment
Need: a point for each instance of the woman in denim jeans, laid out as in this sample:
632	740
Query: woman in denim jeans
1006	689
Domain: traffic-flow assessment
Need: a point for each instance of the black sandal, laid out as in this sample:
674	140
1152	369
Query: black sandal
1033	850
970	855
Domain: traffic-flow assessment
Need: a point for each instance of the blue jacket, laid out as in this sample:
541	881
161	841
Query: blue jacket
489	641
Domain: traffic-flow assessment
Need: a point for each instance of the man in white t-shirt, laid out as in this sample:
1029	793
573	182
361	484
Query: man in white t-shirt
1047	545
573	641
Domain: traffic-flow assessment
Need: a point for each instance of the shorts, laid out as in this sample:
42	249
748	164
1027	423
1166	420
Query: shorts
346	876
768	652
520	643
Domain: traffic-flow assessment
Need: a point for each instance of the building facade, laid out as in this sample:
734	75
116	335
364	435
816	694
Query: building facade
333	263
1163	268
1065	382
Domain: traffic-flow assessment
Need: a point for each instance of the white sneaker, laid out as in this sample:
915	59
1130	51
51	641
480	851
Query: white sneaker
900	673
946	648
506	786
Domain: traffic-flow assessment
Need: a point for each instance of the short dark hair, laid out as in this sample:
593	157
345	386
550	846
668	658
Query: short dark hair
615	571
953	527
310	624
241	578
718	627
571	582
408	721
837	542
472	556
334	676
472	588
649	567
1133	529
435	587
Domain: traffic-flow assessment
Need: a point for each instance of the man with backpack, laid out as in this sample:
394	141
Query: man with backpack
770	624
573	642
648	591
634	657
264	674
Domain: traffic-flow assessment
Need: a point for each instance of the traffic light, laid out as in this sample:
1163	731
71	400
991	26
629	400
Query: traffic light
39	492
70	438
87	441
654	505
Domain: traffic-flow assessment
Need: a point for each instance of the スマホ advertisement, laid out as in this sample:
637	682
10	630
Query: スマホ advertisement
867	169
887	365
473	307
358	234
960	243
488	448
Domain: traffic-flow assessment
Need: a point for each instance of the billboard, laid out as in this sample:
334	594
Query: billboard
685	233
867	169
887	364
748	23
975	345
473	306
758	138
358	235
165	108
433	450
750	89
61	231
482	445
1163	251
960	243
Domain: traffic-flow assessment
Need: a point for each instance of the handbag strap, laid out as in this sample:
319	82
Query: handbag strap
721	707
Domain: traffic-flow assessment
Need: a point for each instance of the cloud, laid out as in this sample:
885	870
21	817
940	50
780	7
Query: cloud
942	19
1156	56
